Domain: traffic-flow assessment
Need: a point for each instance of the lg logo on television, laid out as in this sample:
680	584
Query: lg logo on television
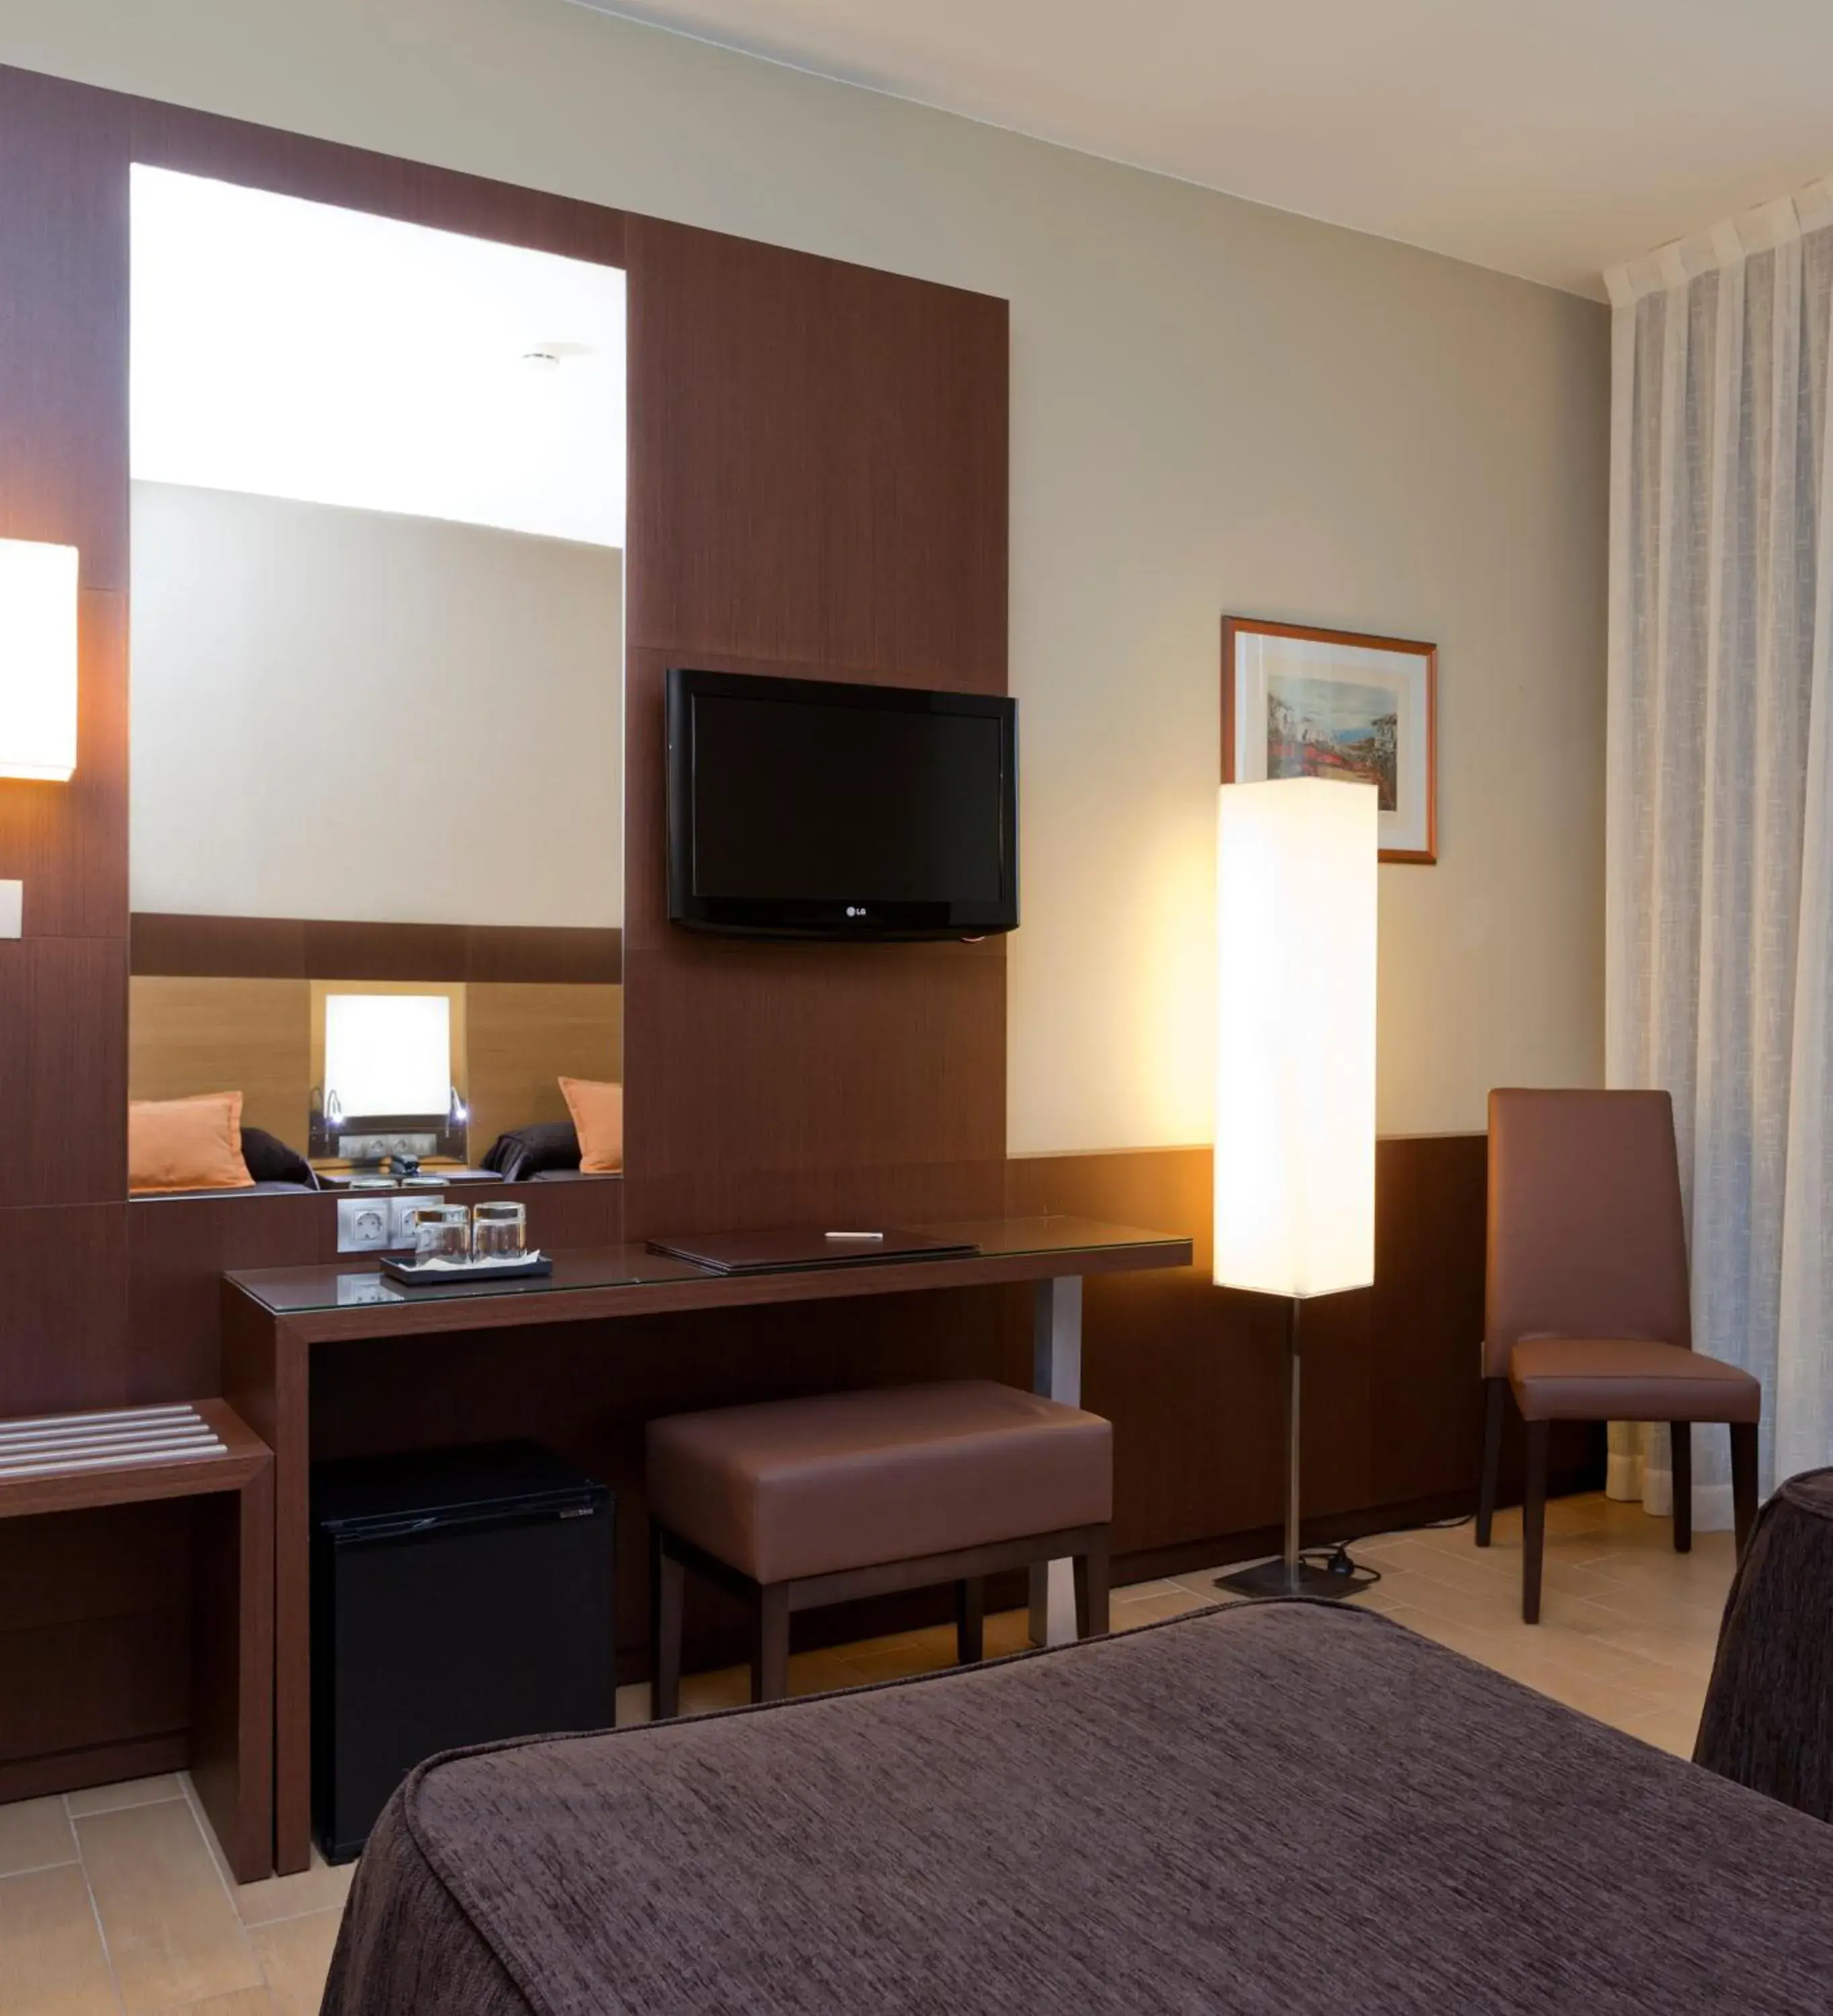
855	909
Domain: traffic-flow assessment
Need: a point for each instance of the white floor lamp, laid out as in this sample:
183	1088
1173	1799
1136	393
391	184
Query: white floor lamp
1295	1073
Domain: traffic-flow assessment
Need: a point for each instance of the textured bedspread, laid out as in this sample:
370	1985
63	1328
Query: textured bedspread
1288	1810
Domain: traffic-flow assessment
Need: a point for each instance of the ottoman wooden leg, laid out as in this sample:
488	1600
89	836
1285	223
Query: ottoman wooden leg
668	1580
1680	1443
1091	1591
770	1654
969	1620
1743	1481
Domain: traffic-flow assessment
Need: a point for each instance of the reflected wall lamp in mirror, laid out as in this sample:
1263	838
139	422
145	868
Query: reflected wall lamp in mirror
38	661
1295	1078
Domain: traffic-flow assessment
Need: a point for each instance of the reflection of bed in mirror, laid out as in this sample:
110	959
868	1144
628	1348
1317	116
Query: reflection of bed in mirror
376	798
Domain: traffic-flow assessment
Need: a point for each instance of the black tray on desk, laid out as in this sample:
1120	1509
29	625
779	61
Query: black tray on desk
419	1273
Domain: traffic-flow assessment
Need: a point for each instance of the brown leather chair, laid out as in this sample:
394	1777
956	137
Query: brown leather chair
794	1503
1589	1316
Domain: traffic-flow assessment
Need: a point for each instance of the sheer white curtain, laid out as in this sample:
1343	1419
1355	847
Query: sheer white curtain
1720	915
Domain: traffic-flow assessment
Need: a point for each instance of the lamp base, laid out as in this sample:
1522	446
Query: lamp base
1273	1578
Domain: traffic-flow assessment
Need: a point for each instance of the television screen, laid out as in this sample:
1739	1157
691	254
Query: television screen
808	808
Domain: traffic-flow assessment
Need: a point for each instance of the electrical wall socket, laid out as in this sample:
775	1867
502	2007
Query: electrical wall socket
400	1223
363	1224
379	1220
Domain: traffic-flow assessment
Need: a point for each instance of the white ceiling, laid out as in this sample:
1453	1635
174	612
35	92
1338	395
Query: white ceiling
297	350
1545	138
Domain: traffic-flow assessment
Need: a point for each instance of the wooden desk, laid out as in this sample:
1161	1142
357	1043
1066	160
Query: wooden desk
273	1316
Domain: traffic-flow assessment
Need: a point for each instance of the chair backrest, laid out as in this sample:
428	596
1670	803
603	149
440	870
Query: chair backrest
1586	1233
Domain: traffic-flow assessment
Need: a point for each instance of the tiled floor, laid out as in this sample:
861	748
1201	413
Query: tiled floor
113	1902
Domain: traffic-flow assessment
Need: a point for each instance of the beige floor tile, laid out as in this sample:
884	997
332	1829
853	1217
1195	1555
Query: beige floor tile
238	2002
129	1792
1178	1602
34	1834
321	1887
52	1960
1672	1727
171	1931
295	1954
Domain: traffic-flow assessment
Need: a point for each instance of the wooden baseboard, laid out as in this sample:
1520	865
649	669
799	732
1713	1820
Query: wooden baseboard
97	1764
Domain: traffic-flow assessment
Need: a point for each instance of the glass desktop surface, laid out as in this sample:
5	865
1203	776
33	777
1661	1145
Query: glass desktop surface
302	1291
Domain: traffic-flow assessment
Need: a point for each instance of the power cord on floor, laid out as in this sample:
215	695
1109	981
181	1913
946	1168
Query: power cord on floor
1337	1560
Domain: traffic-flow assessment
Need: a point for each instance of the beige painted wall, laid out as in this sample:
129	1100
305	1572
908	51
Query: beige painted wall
1215	406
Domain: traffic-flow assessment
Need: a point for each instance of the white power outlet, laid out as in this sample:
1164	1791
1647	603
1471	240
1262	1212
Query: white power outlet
402	1209
363	1224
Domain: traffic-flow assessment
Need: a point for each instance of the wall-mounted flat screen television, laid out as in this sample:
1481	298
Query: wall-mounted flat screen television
814	809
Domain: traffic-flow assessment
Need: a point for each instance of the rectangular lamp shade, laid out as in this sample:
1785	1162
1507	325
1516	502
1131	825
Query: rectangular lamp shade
1296	862
38	661
388	1053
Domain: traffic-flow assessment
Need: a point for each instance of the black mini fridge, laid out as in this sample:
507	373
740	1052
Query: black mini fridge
459	1596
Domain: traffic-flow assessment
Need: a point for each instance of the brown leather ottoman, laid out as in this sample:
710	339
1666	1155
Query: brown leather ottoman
796	1503
1768	1712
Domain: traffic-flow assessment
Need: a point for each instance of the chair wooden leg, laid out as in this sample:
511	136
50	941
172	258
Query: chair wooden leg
1681	1443
770	1650
1091	1591
970	1620
667	1582
1494	1400
1534	1520
1743	1481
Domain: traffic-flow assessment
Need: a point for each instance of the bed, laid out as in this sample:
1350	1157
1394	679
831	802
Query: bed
1291	1810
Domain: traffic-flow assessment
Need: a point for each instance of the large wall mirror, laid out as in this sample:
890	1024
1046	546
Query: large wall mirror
376	868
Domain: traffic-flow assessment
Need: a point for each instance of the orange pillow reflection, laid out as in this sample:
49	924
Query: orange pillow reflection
187	1144
598	1119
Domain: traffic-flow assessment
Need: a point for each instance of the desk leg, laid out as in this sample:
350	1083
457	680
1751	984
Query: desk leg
1056	1370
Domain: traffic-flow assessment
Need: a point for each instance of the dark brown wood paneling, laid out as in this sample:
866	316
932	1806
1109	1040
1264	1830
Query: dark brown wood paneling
95	1628
63	1341
818	462
63	1087
179	1249
818	485
63	322
178	945
547	955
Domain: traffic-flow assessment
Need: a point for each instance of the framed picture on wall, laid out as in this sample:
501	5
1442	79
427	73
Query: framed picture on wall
1302	703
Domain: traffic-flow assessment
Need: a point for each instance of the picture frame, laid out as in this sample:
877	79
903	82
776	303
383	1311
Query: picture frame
1297	701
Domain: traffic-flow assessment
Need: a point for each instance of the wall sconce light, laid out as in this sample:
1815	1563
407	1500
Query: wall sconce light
38	661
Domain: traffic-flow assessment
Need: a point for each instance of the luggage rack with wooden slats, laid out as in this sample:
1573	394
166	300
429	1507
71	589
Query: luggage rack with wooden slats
192	1448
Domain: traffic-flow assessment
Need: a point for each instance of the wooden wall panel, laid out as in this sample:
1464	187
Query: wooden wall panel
63	1340
178	945
63	322
818	462
818	457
